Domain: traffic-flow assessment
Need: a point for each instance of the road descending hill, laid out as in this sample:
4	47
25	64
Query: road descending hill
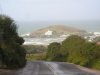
48	68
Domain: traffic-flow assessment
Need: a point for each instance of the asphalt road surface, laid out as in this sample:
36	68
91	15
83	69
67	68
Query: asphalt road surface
47	68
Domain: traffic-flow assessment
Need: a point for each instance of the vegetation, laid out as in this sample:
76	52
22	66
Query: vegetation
35	52
12	54
76	50
34	49
36	56
53	52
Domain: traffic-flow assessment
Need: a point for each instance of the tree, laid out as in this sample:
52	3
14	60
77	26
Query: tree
53	52
71	43
11	51
80	51
72	47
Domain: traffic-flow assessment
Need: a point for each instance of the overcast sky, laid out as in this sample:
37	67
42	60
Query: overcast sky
51	10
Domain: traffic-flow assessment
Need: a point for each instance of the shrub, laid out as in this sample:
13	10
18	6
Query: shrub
11	52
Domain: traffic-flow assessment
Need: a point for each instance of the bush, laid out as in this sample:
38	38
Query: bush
53	52
31	49
11	52
76	50
96	65
81	52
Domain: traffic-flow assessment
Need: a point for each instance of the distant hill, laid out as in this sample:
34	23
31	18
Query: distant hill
55	31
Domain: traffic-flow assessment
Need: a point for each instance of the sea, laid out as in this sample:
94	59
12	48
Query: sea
28	27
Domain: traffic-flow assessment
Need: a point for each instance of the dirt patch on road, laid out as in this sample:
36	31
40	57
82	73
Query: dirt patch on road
6	72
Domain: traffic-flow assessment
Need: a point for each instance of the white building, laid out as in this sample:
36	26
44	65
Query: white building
97	33
23	35
64	35
48	33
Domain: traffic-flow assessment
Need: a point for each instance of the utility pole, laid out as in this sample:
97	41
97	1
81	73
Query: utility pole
1	35
1	30
1	41
1	38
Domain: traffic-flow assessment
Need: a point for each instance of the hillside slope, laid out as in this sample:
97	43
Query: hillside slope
57	30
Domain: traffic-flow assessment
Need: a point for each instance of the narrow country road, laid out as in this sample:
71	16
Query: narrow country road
47	68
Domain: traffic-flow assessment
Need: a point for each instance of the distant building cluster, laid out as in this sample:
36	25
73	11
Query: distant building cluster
91	36
48	33
51	36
